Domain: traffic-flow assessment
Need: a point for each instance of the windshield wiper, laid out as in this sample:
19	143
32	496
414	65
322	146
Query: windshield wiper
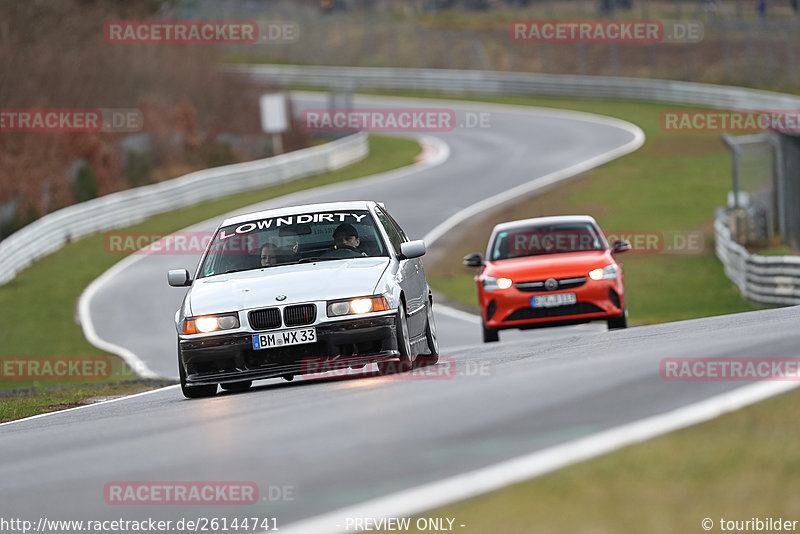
318	258
237	270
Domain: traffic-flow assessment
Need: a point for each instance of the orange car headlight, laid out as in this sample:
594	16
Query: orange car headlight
492	284
609	272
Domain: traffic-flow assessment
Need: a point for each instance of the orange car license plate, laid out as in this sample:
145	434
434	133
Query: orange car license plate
551	301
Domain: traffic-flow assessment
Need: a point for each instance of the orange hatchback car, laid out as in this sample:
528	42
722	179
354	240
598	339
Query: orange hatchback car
549	271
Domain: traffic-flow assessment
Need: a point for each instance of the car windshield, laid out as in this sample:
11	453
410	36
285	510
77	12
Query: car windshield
291	239
537	240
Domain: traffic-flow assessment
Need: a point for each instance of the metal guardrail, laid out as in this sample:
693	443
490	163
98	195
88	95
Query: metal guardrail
118	210
749	272
773	280
764	279
504	83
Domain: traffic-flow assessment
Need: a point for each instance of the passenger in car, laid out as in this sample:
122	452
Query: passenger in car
272	254
269	255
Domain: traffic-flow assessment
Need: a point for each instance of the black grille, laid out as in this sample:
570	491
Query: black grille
285	355
563	283
300	314
560	311
265	319
490	309
613	297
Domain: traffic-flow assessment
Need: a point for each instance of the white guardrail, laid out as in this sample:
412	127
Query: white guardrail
748	272
118	210
765	279
505	83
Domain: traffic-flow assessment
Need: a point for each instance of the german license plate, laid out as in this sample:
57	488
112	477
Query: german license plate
284	338
554	300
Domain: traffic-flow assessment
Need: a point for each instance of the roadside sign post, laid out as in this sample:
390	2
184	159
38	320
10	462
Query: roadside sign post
274	119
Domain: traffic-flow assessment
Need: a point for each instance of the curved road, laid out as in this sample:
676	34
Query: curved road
520	146
337	443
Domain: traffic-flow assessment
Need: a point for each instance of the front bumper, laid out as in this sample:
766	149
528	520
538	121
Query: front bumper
231	358
511	308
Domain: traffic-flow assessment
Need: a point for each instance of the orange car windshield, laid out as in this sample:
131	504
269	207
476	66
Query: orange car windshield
551	239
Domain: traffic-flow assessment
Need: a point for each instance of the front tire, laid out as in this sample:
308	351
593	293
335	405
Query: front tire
433	342
194	392
403	346
618	323
490	335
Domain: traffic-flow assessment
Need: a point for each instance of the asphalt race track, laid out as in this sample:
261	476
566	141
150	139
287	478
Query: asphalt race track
518	148
336	443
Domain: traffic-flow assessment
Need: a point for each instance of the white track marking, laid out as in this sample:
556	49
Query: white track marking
535	184
426	497
85	319
457	314
548	179
435	152
457	488
88	405
480	481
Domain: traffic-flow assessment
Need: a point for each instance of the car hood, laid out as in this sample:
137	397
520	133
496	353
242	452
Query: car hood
564	265
303	282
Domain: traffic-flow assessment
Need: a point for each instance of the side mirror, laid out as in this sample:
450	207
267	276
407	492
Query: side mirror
620	246
473	260
179	278
412	249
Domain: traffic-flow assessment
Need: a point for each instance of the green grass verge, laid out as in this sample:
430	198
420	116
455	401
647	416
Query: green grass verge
38	306
736	467
775	250
17	406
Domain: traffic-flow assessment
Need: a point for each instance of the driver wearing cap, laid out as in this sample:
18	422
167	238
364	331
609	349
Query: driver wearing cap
345	242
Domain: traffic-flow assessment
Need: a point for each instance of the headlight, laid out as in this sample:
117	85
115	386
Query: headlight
361	305
206	324
491	283
609	272
210	323
357	306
